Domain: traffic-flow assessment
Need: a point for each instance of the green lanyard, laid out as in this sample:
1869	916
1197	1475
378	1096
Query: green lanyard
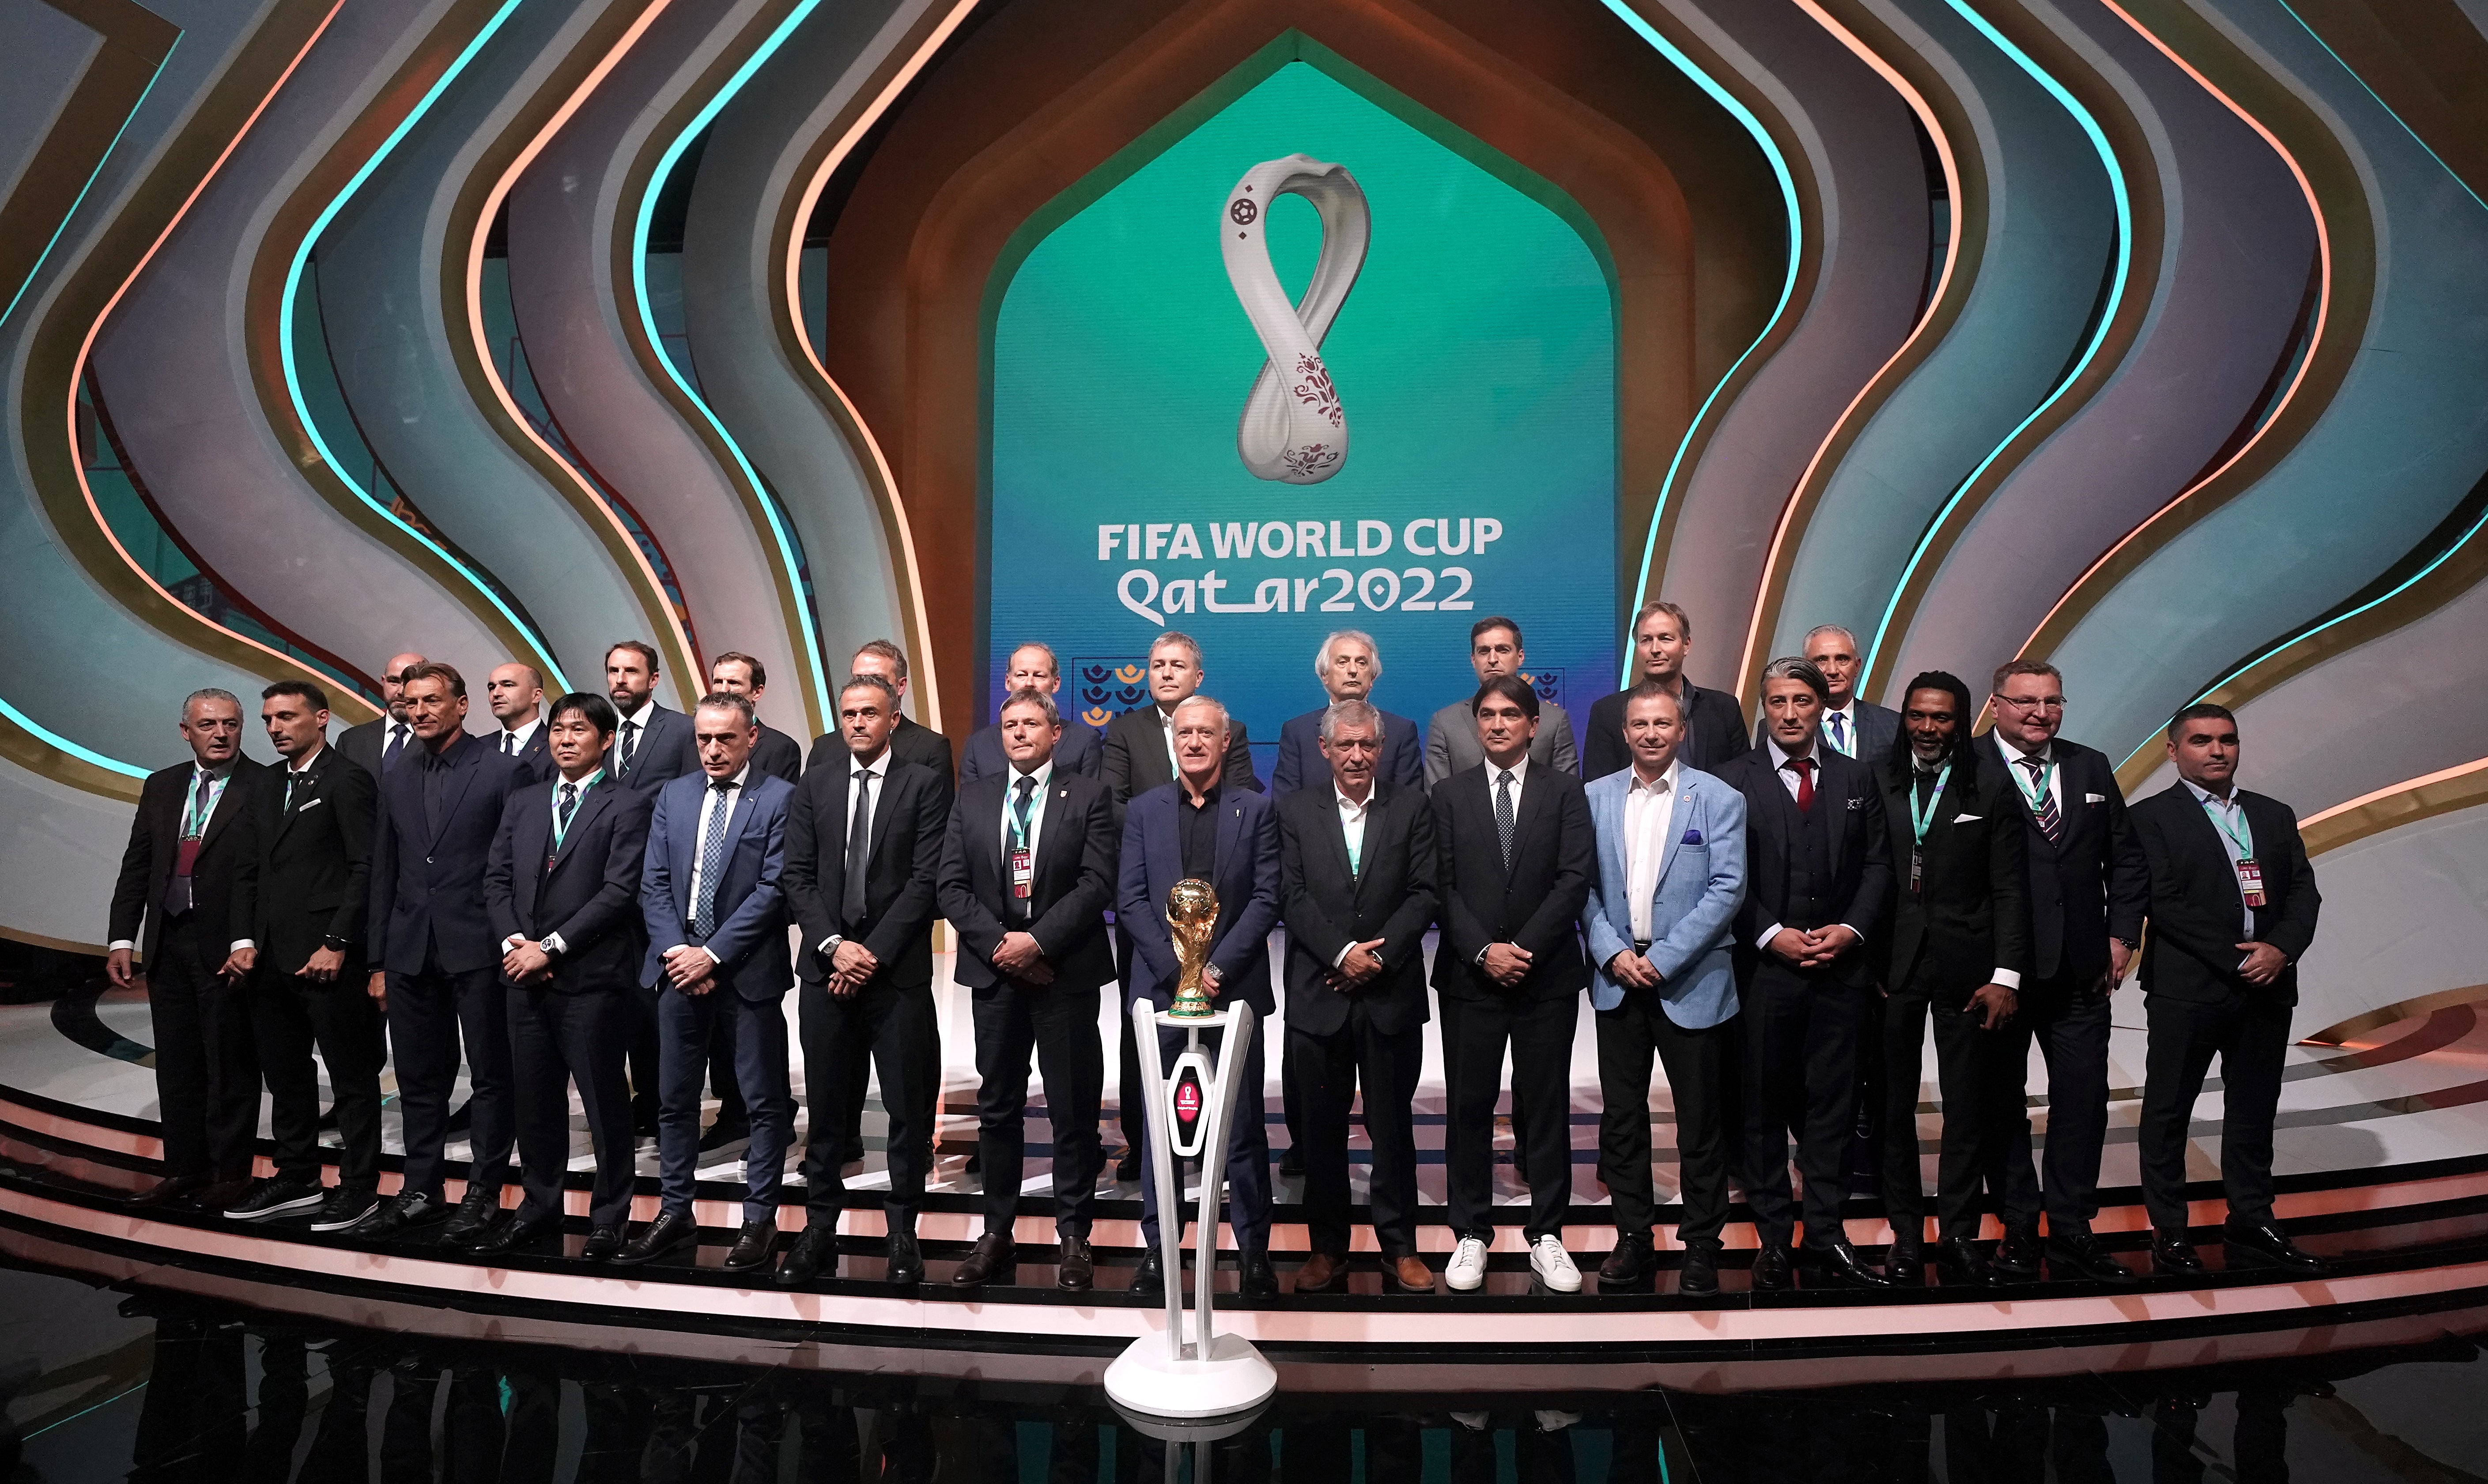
2220	821
195	818
562	822
1921	818
2036	798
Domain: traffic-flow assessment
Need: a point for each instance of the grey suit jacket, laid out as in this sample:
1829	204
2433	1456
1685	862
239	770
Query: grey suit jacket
1452	742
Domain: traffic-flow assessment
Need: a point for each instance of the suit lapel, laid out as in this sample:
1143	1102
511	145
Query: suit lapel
1336	837
592	803
1231	824
317	775
462	773
1678	822
228	804
885	794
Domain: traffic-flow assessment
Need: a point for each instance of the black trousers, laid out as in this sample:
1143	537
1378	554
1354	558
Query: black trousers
557	1039
430	1014
1320	1075
2248	1031
879	1028
1131	1111
2070	1022
1981	1076
206	1070
1056	1024
288	1016
1801	1041
1700	1075
1540	1033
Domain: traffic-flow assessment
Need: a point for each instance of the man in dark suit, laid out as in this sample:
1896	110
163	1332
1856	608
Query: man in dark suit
314	825
1027	870
1347	664
1715	725
712	897
191	878
1356	889
2089	887
1517	854
375	745
652	748
776	754
1956	951
1203	827
1452	734
1031	667
863	849
434	964
2233	906
1817	871
909	742
514	693
1854	725
563	891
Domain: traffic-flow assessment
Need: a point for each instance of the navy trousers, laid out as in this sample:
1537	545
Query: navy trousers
759	1028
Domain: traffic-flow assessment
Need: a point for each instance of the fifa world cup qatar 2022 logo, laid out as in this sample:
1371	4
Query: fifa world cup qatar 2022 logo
1295	429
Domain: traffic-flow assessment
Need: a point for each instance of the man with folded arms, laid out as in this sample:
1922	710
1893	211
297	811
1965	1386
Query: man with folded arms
1671	877
563	890
1027	870
1356	890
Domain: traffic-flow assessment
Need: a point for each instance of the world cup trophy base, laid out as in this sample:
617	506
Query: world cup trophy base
1234	1378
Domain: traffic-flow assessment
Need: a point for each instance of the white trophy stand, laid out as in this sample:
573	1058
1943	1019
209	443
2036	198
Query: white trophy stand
1211	1375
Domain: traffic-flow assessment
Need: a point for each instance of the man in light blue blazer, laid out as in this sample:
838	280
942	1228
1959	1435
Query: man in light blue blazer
1671	876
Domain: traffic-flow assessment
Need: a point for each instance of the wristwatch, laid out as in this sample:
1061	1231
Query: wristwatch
334	943
552	949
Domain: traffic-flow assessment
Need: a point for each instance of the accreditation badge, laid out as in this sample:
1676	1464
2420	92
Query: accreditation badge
2251	882
1023	873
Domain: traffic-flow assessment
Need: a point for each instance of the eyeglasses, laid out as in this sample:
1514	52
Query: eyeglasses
2032	704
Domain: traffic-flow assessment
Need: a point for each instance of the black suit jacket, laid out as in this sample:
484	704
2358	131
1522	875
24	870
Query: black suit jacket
1971	914
2196	909
1067	900
667	749
365	744
535	759
427	885
910	814
1536	904
224	879
777	755
909	742
1861	855
1078	751
315	865
2092	883
590	892
1326	906
1714	732
1301	765
1136	758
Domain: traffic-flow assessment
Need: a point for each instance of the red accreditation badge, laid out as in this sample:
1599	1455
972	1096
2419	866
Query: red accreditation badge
1023	873
2251	882
1917	869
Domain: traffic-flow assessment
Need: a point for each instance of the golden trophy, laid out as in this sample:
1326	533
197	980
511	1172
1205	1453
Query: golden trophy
1192	916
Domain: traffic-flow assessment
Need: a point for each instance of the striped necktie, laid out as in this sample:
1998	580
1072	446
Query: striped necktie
2050	824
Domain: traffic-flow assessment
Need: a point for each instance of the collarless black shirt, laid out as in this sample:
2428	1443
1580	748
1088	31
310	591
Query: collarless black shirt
1197	828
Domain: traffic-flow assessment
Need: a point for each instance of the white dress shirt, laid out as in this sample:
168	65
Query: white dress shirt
711	799
518	737
640	738
857	803
215	802
1351	832
2046	757
1848	728
1044	779
2230	810
552	941
1649	811
1788	780
1519	772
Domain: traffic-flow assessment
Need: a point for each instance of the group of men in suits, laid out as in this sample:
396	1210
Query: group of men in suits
599	893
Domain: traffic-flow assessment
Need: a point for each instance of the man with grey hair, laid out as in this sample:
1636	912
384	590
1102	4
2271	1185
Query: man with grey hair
1347	664
1853	725
1030	666
190	881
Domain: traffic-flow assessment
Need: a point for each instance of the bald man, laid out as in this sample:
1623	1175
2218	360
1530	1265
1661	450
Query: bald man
515	692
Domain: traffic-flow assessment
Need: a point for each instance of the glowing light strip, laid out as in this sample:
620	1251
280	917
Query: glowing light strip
284	336
1788	286
2107	312
492	372
36	269
54	739
1752	658
2407	786
812	647
2380	103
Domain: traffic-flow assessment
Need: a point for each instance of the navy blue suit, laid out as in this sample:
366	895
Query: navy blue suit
1246	878
1078	751
1301	765
429	930
751	977
536	758
667	749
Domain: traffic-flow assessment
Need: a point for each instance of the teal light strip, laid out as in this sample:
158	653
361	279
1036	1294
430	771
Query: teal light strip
293	378
2108	313
1753	126
657	179
54	739
37	267
2380	103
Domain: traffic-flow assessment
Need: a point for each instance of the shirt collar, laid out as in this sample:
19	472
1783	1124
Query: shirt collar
647	710
1348	806
200	768
1780	754
1042	774
879	767
527	732
1519	772
447	755
587	782
1208	799
741	776
2014	755
304	763
1667	780
2207	796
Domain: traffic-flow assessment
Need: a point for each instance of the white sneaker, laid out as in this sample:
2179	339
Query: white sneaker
1467	1268
1554	1266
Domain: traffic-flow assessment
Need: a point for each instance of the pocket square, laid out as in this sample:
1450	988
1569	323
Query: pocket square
2094	798
1856	804
1691	837
1967	818
308	805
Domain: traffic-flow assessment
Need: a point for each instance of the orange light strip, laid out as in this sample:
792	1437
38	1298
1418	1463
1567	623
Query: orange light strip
2407	786
1751	659
928	694
491	209
86	346
2306	362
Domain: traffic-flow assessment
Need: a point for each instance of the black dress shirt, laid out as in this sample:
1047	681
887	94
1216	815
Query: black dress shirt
1198	826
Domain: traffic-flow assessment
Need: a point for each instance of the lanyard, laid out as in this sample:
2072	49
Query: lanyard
1921	818
1019	815
195	818
2220	821
561	823
2036	798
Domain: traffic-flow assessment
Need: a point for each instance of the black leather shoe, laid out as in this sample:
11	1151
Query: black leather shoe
1771	1269
1077	1269
175	1190
672	1231
1905	1263
643	1120
600	1244
283	1195
2266	1246
813	1251
753	1245
1149	1281
722	1133
1963	1266
1292	1164
345	1208
2079	1255
994	1256
403	1215
2172	1255
1629	1264
476	1214
1257	1278
852	1151
2017	1256
514	1233
906	1262
1127	1165
1699	1277
1839	1264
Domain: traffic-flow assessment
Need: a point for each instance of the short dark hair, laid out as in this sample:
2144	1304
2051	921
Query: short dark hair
1650	690
730	700
640	647
1043	702
435	669
759	675
896	656
2011	668
1796	666
888	691
1962	712
318	698
1496	622
1511	688
592	708
2200	711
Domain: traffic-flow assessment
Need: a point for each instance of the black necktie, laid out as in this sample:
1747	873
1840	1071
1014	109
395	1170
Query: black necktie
1503	816
569	804
630	744
298	784
396	745
858	849
1026	789
509	743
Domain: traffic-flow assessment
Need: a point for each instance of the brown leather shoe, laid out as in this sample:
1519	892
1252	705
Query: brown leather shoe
1077	1270
1322	1273
1411	1273
994	1256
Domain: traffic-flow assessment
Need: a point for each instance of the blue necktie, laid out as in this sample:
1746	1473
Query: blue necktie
1840	731
712	859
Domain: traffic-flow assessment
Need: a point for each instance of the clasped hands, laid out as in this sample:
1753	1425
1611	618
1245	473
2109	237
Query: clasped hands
1357	968
1020	958
1814	948
523	963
